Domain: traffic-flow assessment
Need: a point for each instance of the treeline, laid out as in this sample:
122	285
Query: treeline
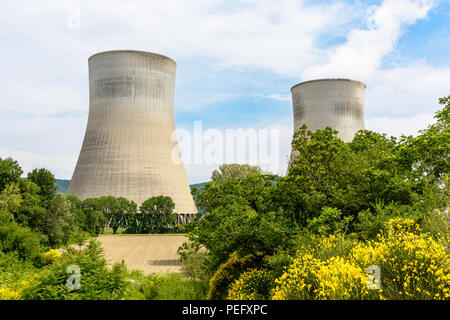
59	219
155	215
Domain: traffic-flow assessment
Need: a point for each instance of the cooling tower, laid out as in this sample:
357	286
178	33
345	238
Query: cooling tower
128	146
335	103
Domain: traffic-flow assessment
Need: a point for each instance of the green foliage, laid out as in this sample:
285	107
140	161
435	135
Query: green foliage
92	216
330	222
254	284
427	155
46	182
155	216
20	241
31	212
97	281
168	286
372	222
252	190
233	171
10	200
60	221
350	177
115	211
10	172
242	229
195	261
229	272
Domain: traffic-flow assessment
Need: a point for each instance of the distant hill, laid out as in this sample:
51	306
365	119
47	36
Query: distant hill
62	185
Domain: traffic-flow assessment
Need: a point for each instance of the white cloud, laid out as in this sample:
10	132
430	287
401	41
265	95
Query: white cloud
60	166
407	91
275	96
361	55
272	156
398	126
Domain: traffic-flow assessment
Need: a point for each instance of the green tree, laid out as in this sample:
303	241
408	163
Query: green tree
253	190
121	210
351	177
93	218
60	223
157	214
10	172
20	241
239	228
10	199
31	212
46	182
115	211
233	171
427	154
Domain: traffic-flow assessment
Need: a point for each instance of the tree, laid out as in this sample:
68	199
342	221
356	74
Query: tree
351	177
10	199
60	221
428	154
157	214
233	171
10	172
31	212
253	190
93	218
46	181
239	228
122	208
115	210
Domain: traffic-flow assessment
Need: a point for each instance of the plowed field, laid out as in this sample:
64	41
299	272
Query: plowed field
149	253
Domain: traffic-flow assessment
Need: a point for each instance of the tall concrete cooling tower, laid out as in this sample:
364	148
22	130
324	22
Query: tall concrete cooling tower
128	147
335	103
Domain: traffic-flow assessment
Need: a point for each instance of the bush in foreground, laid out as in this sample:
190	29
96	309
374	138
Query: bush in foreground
412	265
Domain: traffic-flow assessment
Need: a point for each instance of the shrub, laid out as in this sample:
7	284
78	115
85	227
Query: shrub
51	256
22	241
97	281
229	272
15	276
169	286
311	278
413	265
194	265
254	284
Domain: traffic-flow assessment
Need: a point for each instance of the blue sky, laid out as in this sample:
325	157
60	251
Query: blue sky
236	62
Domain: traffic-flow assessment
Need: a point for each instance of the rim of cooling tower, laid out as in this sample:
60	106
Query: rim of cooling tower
135	51
329	79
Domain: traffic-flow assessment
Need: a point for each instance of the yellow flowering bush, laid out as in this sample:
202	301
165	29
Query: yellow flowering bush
311	278
51	255
9	294
254	284
412	265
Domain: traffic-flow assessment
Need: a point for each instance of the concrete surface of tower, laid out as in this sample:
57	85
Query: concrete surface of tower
335	103
129	148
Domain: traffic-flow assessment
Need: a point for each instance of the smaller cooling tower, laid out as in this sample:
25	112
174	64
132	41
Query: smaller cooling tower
335	103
